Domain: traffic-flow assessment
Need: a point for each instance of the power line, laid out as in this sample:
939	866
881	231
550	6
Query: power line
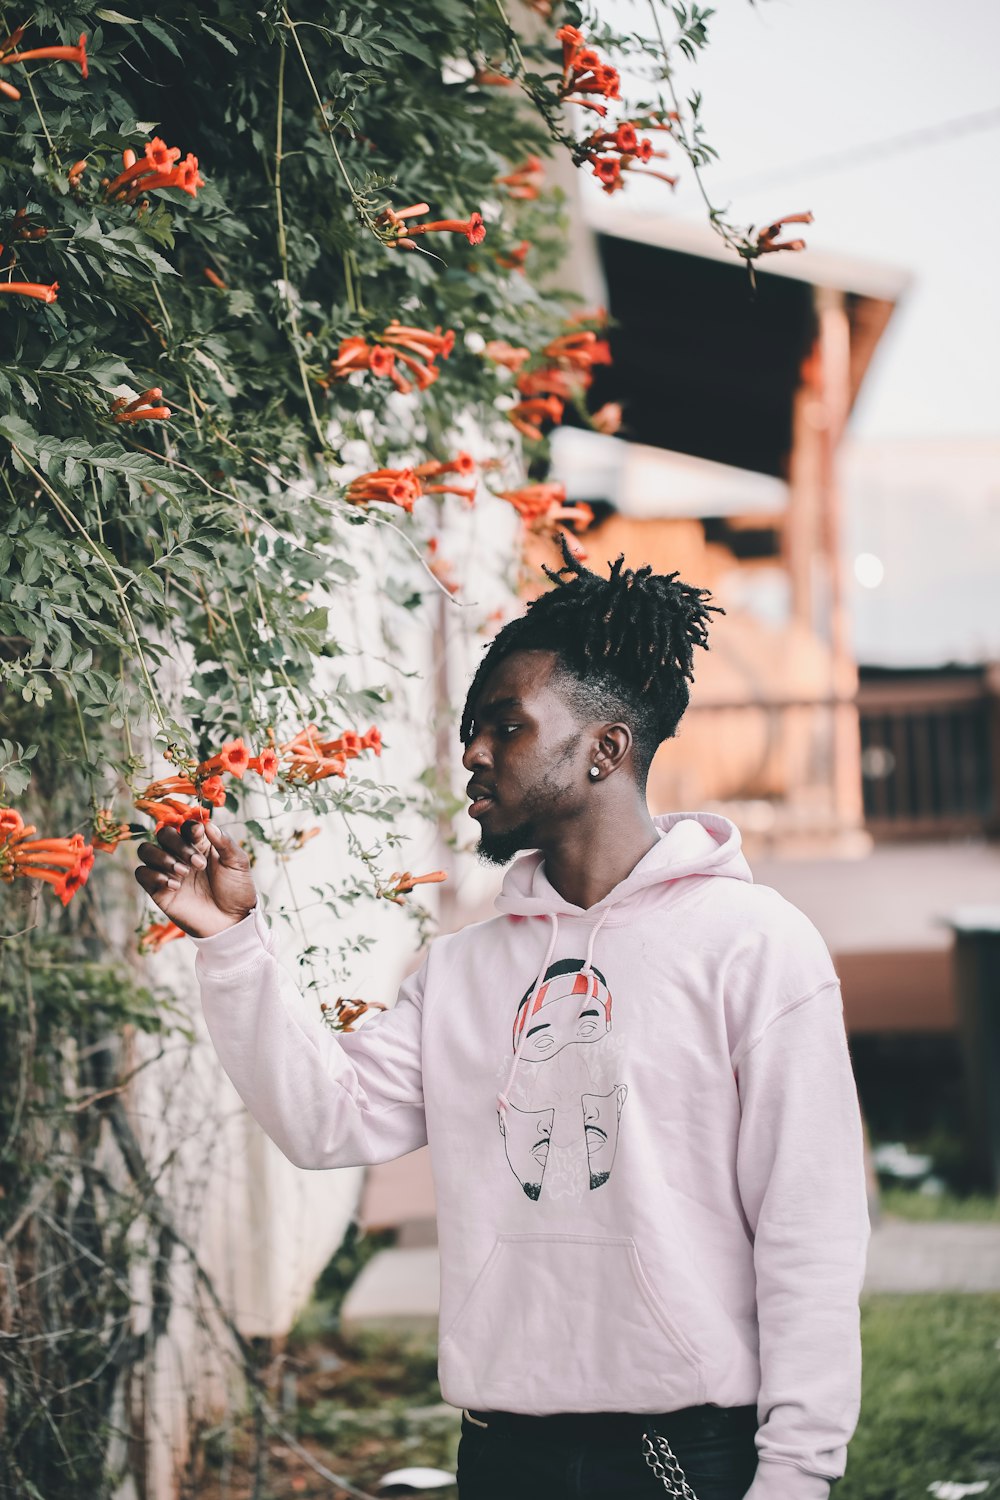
896	145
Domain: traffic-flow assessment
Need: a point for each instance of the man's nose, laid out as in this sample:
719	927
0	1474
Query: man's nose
475	754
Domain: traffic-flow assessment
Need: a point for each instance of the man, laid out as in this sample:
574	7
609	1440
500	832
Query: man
650	1272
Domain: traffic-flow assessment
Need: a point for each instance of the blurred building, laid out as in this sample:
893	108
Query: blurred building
847	715
727	469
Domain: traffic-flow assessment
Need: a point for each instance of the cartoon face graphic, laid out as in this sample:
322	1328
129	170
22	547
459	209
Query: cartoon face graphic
567	1115
527	1134
601	1116
571	1005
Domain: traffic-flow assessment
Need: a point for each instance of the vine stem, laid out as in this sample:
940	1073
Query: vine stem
293	691
41	117
175	463
163	309
72	521
251	683
86	751
714	217
373	515
283	251
360	207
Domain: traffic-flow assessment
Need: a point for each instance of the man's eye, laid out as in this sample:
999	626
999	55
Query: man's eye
508	728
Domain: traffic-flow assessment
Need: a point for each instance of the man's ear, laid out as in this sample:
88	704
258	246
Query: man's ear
613	746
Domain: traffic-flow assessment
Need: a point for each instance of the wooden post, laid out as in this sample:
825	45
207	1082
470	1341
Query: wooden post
835	362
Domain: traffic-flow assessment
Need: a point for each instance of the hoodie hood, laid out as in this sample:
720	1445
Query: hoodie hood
690	843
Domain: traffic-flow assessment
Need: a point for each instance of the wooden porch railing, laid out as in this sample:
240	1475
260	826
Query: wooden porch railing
930	755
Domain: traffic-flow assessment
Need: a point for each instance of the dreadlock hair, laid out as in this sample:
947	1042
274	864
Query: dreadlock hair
624	647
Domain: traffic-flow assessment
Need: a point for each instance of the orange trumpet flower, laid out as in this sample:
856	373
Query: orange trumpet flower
527	416
234	757
108	831
153	937
399	487
63	863
143	408
168	812
403	882
31	289
77	54
768	240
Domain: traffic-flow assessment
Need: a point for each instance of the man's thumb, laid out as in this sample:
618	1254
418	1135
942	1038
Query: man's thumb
221	843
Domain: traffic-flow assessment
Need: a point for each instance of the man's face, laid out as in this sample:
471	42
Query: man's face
528	754
566	1016
601	1116
527	1135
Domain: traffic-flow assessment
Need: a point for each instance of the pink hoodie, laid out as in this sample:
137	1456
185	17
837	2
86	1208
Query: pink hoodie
645	1138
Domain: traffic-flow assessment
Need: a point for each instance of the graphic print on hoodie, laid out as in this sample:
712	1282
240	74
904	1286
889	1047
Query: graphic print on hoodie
562	1112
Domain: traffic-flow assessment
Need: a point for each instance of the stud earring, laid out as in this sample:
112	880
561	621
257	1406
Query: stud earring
595	771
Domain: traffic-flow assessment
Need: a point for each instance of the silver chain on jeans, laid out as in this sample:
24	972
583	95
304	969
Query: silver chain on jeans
663	1461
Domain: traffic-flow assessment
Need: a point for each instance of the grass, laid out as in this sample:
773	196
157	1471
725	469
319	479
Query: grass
930	1408
907	1203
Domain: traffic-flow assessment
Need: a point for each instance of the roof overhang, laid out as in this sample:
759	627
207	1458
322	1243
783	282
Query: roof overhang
706	364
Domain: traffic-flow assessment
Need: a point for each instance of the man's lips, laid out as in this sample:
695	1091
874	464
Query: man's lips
481	800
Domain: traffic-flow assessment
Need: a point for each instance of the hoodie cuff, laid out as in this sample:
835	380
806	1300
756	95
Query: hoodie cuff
238	947
777	1481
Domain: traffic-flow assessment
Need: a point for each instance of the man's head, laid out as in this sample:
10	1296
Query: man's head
594	675
571	1005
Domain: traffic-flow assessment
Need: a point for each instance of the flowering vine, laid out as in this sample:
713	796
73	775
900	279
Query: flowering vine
237	386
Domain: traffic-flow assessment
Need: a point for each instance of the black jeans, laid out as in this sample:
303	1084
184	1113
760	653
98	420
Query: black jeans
587	1456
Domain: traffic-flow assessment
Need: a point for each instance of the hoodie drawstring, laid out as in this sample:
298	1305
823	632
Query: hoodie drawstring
503	1103
589	962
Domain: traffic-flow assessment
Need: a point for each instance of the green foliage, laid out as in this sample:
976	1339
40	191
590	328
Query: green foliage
930	1390
907	1203
69	1219
173	581
161	526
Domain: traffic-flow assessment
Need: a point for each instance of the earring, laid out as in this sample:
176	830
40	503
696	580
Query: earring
595	771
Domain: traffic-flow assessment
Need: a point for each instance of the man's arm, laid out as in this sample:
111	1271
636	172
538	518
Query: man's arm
326	1100
800	1169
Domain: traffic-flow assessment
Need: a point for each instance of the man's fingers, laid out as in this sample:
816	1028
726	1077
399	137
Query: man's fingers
185	853
156	882
227	849
159	859
193	833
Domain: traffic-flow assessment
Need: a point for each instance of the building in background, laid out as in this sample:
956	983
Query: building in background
736	403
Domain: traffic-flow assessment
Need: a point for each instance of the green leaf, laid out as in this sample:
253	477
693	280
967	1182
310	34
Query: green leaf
20	433
219	37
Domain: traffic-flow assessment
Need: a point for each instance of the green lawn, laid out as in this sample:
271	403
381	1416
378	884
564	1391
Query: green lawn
930	1407
905	1203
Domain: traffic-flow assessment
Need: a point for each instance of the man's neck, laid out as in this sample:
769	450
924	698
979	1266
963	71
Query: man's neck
586	862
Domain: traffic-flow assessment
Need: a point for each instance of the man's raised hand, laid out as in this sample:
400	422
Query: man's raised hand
199	877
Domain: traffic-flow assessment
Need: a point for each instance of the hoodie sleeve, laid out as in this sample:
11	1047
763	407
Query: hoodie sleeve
327	1100
800	1169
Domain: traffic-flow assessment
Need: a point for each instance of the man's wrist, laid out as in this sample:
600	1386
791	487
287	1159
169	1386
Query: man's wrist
226	924
779	1481
234	947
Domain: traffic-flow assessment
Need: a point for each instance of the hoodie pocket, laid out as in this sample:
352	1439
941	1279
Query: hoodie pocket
567	1323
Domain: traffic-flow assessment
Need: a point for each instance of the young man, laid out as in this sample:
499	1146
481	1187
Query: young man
635	1084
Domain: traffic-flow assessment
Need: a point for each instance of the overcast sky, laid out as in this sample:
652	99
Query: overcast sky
787	83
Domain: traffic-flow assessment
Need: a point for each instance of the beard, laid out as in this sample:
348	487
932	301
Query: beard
500	848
